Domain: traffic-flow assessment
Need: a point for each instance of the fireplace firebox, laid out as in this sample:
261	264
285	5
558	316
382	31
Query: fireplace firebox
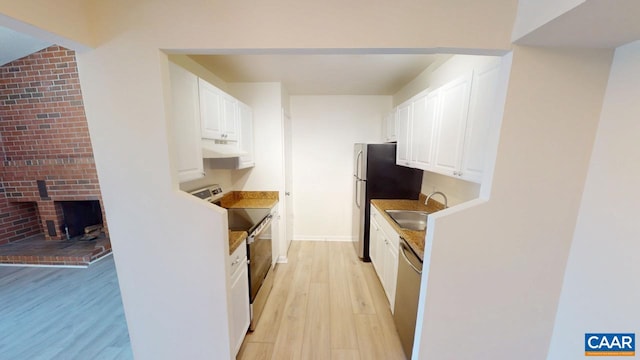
78	215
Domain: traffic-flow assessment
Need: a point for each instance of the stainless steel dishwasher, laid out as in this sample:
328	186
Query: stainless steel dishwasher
407	294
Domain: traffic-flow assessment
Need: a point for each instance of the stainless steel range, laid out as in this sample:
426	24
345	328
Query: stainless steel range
257	223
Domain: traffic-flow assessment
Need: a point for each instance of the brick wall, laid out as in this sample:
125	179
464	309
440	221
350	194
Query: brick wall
44	139
17	220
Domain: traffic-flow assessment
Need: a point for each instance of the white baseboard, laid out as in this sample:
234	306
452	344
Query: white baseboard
322	238
282	260
49	266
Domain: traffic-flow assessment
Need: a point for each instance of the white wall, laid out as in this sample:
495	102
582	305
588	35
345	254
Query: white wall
533	14
265	99
600	291
325	128
440	73
172	295
494	269
212	176
199	70
457	191
67	23
420	82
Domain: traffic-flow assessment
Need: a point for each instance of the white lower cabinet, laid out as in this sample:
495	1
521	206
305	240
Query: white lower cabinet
391	270
375	247
240	313
383	251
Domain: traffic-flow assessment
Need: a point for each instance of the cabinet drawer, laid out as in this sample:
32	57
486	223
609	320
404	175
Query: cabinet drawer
237	258
386	228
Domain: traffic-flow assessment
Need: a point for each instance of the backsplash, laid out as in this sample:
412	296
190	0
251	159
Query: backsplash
457	191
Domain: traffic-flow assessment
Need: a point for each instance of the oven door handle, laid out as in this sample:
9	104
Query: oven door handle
266	222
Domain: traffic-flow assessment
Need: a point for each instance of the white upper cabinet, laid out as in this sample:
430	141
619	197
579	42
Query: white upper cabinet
403	132
454	106
480	121
229	117
447	129
245	140
210	110
217	113
389	127
425	111
185	121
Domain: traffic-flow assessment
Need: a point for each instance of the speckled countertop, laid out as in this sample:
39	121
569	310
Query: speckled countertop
415	239
249	199
235	239
246	200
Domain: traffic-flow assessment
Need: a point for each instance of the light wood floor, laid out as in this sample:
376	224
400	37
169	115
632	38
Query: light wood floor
325	304
58	313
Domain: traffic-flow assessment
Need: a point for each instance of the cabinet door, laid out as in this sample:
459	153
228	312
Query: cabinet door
403	127
454	105
230	118
211	112
185	118
245	140
240	316
423	130
480	121
389	126
390	272
374	246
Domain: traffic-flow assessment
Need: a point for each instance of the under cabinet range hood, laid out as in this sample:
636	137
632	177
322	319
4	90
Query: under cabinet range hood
216	149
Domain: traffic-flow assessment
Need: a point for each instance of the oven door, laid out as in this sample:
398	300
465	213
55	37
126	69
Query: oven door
259	253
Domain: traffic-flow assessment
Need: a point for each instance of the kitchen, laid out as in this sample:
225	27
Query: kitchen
503	262
318	174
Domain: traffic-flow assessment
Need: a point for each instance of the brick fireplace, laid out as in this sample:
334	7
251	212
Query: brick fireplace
47	158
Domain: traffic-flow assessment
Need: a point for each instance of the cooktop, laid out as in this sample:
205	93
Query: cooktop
244	219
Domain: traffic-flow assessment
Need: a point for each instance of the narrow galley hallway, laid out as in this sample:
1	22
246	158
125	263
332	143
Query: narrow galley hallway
325	304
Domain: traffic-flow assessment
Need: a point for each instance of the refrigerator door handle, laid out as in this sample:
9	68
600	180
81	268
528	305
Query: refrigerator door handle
356	181
358	164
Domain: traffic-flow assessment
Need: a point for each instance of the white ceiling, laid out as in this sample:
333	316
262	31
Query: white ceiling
322	74
15	45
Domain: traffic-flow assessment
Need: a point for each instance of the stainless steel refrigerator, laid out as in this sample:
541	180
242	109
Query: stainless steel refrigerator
376	176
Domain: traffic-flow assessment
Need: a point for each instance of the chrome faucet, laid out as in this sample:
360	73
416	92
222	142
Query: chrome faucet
426	202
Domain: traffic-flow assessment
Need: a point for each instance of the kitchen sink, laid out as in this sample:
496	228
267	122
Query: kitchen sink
409	219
